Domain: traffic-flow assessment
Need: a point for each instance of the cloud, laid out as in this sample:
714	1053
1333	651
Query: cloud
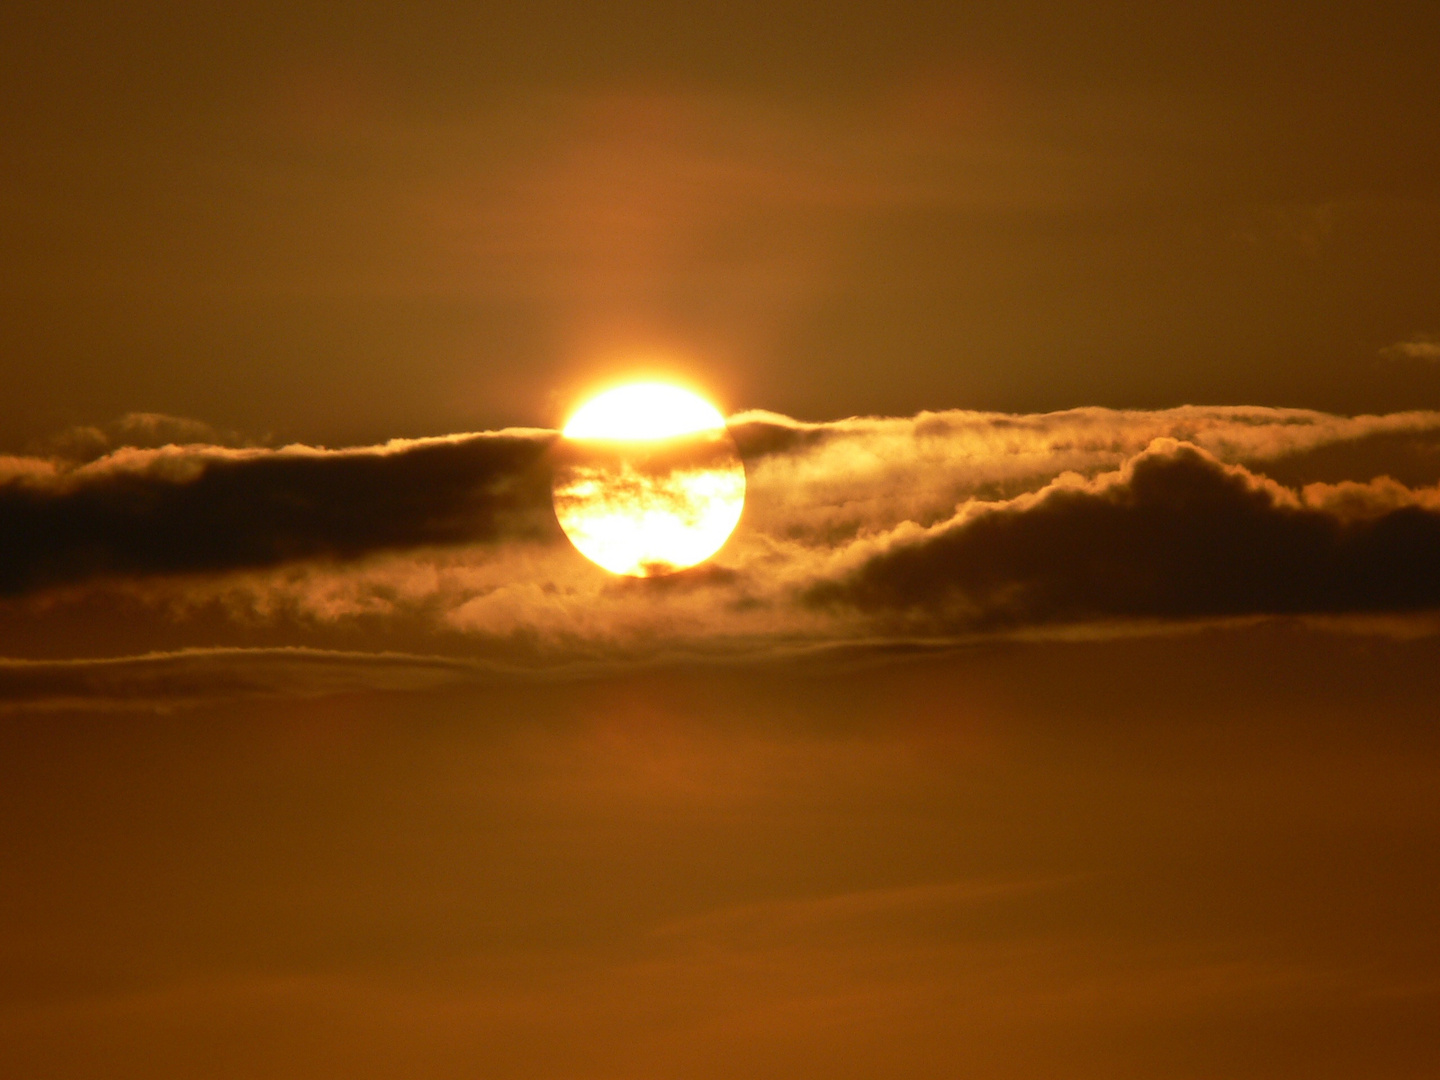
1417	347
196	676
824	482
871	530
87	442
205	509
1173	534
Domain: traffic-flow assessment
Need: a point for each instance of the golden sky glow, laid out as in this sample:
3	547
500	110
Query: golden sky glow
1044	398
651	483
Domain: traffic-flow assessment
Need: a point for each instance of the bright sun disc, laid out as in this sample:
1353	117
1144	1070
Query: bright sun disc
648	480
648	410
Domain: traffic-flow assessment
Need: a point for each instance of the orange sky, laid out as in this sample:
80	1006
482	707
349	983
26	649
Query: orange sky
1062	705
340	226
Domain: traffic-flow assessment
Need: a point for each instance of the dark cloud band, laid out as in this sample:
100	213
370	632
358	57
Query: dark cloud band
1175	534
939	525
205	509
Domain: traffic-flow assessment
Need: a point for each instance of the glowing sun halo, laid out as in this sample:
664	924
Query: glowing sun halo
648	480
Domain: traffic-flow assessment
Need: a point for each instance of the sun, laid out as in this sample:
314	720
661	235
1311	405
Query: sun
648	480
643	411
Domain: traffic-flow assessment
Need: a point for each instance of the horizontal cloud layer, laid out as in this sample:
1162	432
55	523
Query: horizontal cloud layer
938	525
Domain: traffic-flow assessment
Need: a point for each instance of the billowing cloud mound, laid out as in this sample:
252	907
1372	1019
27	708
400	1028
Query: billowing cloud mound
1175	533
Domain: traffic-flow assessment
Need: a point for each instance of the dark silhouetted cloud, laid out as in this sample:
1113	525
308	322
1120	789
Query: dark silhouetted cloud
197	509
1174	534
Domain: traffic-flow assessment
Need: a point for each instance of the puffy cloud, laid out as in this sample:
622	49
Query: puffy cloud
1173	534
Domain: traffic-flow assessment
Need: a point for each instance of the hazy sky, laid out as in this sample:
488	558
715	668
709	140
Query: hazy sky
1063	705
351	222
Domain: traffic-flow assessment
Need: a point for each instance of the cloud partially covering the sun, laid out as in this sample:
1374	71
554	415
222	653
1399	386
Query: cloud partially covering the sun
941	525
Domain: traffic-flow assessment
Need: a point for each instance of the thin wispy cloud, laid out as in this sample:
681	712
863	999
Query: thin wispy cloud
1415	347
202	676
